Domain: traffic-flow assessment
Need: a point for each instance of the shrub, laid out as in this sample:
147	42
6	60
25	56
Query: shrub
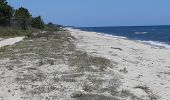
37	22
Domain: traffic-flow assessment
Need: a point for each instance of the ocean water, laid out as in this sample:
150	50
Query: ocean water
154	35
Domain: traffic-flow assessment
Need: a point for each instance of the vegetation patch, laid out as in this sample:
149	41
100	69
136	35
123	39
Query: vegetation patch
96	97
48	67
148	91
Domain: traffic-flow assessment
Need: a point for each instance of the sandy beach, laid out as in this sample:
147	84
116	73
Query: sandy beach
144	69
84	50
78	65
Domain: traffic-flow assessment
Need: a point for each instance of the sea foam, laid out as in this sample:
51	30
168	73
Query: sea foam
156	43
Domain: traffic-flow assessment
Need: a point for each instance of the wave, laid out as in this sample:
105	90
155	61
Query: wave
113	36
156	43
141	32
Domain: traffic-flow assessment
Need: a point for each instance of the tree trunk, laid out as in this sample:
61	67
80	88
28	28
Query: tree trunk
24	26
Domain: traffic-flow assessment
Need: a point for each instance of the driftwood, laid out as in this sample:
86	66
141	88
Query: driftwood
117	48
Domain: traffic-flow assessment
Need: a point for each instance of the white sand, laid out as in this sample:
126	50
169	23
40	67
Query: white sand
6	87
146	65
10	41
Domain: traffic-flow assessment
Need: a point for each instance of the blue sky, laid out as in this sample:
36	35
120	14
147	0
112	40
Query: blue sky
99	12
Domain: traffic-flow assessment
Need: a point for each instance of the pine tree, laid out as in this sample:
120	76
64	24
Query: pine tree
23	15
6	13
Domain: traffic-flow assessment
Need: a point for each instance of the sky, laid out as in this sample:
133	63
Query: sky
92	13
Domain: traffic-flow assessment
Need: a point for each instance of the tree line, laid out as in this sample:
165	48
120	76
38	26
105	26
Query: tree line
20	17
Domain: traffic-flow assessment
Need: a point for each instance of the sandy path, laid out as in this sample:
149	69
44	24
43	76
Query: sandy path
145	69
10	41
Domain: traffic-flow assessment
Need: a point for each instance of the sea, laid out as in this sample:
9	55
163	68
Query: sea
153	35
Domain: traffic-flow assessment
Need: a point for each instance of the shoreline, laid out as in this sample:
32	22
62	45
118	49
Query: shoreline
156	44
144	68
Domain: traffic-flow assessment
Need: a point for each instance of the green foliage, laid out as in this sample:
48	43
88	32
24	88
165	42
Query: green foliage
53	27
37	22
50	24
3	1
20	22
23	15
6	13
9	31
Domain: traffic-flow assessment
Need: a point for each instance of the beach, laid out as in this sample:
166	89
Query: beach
79	65
84	50
144	69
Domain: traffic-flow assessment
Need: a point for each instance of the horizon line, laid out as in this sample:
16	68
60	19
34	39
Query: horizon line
116	26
